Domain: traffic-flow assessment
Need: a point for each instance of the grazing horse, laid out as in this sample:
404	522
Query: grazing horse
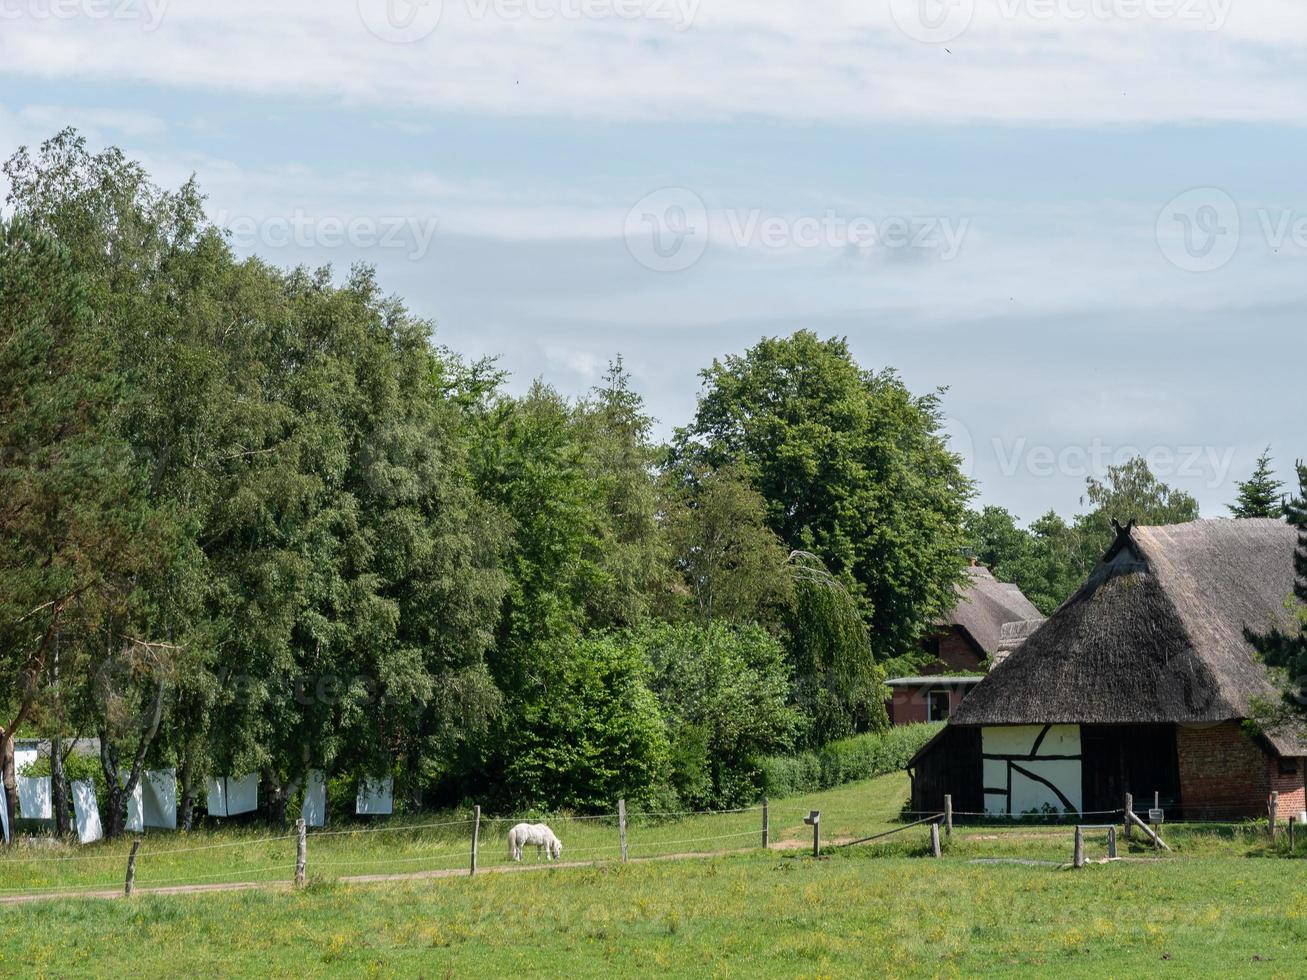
537	834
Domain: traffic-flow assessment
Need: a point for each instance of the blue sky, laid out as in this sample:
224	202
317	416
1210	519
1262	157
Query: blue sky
1085	218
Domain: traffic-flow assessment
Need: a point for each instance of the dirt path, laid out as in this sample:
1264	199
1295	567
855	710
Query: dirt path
783	846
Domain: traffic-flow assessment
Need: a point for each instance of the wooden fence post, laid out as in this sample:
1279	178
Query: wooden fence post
948	815
1272	808
1291	823
814	819
1078	856
766	825
1129	809
476	835
130	885
934	840
301	851
621	826
1111	841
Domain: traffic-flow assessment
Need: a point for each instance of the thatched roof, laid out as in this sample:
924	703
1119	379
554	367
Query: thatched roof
985	606
1155	635
1014	635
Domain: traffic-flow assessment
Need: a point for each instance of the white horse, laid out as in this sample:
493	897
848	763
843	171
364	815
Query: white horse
537	834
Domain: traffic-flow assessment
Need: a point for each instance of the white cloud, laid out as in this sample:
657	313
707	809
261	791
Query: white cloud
1053	61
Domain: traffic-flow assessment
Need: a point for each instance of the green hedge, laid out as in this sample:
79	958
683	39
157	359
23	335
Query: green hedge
845	761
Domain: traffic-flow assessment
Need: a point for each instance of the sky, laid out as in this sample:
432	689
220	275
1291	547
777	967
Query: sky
1085	219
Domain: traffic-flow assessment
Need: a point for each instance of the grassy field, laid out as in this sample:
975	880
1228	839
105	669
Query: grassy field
1218	905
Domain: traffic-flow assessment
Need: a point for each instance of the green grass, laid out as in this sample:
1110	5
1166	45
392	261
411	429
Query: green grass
1218	905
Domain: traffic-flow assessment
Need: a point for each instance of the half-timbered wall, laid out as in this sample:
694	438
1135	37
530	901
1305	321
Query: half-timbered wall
1028	767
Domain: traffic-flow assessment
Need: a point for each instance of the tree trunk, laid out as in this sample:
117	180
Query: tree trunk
186	775
275	792
59	788
119	791
9	778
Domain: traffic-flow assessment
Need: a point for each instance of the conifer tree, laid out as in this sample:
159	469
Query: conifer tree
1259	495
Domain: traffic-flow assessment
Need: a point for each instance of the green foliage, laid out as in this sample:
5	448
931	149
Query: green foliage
1129	491
1260	495
846	760
590	732
1052	558
837	684
1043	560
853	467
733	565
255	519
723	692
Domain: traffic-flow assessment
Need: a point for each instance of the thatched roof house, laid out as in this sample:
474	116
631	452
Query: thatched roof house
985	606
965	641
1138	683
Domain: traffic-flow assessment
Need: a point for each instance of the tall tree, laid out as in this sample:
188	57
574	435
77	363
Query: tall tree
1043	559
854	468
1127	491
838	685
75	535
733	565
1260	495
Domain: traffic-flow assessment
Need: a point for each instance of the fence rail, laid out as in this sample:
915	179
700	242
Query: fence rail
471	844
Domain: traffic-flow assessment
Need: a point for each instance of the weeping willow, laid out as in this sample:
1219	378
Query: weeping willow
837	681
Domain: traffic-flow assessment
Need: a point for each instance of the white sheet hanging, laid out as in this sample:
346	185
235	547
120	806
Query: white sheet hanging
24	757
315	799
376	796
4	813
229	796
242	794
87	811
136	810
34	797
215	791
159	799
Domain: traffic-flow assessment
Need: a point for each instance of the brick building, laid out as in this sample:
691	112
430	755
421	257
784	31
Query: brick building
988	621
1143	682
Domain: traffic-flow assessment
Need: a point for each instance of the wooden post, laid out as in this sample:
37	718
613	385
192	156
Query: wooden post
1129	810
766	825
130	886
621	826
948	815
1291	823
934	840
1078	857
476	835
1272	808
301	851
814	818
1111	841
1149	832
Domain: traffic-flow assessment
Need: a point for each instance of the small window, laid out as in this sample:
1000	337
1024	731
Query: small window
1288	767
937	705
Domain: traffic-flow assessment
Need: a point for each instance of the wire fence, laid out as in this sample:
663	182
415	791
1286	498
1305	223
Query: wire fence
473	843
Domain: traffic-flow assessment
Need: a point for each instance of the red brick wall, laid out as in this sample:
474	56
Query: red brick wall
1293	797
956	654
909	704
1224	773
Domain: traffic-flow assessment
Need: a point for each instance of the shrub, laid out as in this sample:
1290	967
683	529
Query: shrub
594	734
722	690
849	759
